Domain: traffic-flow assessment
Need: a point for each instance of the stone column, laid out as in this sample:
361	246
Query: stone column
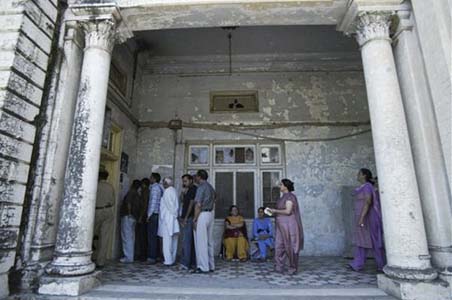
424	135
405	238
72	257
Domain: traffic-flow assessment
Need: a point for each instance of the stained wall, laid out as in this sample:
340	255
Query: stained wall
321	170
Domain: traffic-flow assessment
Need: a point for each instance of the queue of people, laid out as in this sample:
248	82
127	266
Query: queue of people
154	217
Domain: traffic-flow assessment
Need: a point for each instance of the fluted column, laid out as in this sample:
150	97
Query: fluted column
75	231
405	237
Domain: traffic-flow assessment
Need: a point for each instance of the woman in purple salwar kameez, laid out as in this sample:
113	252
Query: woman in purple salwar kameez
368	233
289	229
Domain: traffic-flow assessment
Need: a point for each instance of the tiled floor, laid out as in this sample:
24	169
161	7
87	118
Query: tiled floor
314	272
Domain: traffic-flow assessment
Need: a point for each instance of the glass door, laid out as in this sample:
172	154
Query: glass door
236	187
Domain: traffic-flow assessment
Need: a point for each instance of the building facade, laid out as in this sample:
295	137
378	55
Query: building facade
252	91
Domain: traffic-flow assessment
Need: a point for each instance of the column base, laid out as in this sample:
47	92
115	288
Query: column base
410	274
68	286
4	285
445	274
71	265
413	289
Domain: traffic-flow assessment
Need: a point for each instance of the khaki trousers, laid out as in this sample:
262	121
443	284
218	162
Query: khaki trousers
204	246
103	224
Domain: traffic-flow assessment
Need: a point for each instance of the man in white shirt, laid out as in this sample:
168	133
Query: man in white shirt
168	221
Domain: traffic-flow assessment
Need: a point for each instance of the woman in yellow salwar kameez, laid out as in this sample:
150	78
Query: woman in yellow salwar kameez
235	237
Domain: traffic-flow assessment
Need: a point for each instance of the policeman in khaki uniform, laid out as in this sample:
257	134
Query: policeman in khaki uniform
104	216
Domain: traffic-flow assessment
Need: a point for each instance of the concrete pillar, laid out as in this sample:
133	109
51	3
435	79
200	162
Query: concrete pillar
425	140
405	238
72	258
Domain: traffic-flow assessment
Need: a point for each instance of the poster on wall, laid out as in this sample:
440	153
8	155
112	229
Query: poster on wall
124	163
106	129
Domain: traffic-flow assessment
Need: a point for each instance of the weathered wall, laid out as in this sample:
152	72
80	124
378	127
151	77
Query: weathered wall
26	32
321	170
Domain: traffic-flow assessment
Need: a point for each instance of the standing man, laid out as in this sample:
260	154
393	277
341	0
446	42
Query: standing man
129	212
156	192
203	222
186	220
103	223
141	240
168	223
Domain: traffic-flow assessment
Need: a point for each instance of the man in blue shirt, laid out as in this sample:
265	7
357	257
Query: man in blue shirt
155	194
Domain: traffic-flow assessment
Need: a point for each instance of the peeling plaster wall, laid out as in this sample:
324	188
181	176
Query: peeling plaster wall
324	172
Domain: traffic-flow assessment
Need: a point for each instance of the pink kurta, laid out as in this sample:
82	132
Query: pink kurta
289	235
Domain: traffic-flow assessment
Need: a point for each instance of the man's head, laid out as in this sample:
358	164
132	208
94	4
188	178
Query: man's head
145	182
201	176
187	180
136	184
155	178
167	182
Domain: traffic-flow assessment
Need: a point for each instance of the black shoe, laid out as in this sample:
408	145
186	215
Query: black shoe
199	271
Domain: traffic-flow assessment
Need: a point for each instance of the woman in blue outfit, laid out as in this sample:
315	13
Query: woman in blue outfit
263	234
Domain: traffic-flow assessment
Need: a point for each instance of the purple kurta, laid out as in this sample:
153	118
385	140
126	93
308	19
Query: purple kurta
361	235
289	235
371	235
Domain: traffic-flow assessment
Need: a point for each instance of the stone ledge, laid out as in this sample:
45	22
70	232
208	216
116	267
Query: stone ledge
68	286
415	290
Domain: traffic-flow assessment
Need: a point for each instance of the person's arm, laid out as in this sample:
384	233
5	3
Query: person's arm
255	233
270	228
286	211
197	203
228	225
240	224
367	203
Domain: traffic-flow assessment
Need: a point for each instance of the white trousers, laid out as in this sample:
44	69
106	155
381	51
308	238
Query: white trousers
128	237
204	241
170	248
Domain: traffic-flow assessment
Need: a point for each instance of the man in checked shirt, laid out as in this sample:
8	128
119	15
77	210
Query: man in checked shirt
155	194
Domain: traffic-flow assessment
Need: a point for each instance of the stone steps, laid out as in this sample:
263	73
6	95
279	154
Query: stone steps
139	292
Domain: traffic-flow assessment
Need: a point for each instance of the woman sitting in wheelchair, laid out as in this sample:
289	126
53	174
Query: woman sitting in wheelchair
262	235
235	235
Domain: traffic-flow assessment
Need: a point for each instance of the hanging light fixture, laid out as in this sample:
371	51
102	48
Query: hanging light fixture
230	29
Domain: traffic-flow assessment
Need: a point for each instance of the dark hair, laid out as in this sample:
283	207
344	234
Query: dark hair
288	184
145	181
188	176
103	174
263	208
203	174
156	176
231	207
136	183
367	173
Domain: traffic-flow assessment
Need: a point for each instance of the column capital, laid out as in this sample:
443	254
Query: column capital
370	20
372	25
99	34
102	24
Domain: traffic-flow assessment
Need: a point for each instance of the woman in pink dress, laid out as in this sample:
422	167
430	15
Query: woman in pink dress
367	232
289	230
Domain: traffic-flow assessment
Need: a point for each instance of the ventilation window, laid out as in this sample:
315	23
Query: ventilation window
233	101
